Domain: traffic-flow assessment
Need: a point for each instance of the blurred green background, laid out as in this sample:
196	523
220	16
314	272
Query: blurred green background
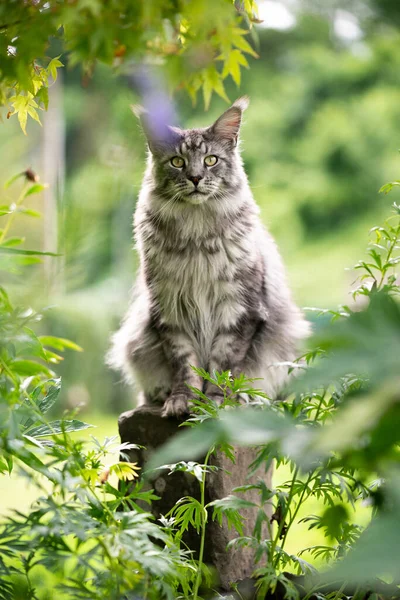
319	139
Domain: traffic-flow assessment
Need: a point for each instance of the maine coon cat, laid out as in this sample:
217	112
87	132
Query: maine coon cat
211	290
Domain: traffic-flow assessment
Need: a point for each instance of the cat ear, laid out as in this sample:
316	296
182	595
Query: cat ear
228	125
159	135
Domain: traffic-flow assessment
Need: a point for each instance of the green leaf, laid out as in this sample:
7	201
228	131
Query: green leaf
5	210
53	65
56	427
28	212
332	520
194	468
8	209
376	414
376	553
240	42
243	426
249	426
13	178
188	511
230	508
367	341
32	112
43	96
22	118
22	106
33	441
29	367
212	82
35	189
232	63
3	466
27	343
125	470
52	357
13	241
59	343
19	261
18	252
385	189
191	444
44	404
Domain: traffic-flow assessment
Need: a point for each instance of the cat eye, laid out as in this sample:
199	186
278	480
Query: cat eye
177	161
211	160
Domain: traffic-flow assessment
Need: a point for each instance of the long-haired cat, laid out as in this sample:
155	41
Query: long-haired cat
211	290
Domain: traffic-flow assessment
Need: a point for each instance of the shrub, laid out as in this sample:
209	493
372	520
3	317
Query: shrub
87	537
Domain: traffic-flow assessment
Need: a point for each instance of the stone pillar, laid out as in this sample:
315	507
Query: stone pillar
145	426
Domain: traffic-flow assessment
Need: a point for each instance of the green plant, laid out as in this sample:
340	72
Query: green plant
190	39
352	376
190	512
87	537
84	537
27	385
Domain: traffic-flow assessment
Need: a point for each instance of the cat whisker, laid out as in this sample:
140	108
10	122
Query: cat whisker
221	195
165	208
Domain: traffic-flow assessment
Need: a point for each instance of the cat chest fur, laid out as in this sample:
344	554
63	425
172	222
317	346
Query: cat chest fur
196	283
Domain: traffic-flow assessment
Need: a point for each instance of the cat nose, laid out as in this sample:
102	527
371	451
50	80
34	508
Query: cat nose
195	179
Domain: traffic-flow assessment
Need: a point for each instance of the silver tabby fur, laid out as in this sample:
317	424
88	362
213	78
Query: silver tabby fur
211	289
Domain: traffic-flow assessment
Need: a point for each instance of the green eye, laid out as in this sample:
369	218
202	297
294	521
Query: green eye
211	160
177	162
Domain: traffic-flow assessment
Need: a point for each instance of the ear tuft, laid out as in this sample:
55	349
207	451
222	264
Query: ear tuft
228	125
242	102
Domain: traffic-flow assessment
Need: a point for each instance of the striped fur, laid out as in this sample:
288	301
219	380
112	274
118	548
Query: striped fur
211	290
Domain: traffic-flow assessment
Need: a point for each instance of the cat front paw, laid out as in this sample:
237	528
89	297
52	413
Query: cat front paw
176	405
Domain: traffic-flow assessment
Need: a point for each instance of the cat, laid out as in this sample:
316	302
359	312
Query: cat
211	290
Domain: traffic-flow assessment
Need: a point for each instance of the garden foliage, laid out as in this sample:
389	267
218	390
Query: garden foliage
87	537
338	431
187	37
81	532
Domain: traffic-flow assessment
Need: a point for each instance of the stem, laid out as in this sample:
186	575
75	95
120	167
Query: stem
294	514
283	519
203	526
3	367
389	254
27	567
317	587
12	216
340	590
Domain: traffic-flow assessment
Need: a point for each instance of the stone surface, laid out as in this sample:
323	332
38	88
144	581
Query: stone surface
145	426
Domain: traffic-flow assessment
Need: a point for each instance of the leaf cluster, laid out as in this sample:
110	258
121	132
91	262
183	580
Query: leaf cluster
198	44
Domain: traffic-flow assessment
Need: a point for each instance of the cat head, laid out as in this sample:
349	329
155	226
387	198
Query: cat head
195	165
